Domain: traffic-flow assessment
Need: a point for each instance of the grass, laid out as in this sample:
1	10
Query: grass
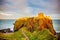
26	35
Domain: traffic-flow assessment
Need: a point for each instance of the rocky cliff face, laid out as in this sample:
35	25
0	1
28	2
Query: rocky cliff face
35	23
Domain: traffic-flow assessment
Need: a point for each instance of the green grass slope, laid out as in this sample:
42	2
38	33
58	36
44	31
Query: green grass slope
24	34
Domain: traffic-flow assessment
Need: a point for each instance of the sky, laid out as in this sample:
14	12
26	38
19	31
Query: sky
12	9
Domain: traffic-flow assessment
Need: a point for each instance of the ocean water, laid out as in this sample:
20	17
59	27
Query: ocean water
9	24
56	25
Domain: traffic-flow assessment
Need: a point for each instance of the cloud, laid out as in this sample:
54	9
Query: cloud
6	14
51	5
21	8
27	11
15	4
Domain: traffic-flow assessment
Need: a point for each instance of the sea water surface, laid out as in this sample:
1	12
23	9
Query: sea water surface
8	23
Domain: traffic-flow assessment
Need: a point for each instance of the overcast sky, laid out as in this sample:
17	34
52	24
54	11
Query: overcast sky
12	9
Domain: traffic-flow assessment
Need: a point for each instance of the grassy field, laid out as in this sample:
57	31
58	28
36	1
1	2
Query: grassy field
23	34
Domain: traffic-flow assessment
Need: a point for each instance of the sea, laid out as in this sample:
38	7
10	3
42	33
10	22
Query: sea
8	23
